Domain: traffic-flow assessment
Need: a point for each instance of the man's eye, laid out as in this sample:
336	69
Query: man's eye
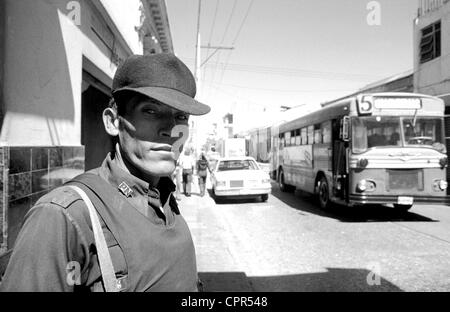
183	117
149	111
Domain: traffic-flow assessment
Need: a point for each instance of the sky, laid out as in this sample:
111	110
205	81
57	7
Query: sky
296	53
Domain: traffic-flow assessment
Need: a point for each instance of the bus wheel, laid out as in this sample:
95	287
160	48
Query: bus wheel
402	208
324	194
283	187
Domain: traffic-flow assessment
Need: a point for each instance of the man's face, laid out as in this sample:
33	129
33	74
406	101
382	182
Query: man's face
145	136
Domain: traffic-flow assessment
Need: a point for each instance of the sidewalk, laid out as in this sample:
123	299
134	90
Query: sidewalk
217	267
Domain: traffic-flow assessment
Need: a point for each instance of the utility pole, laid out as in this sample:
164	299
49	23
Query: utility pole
198	59
194	140
197	54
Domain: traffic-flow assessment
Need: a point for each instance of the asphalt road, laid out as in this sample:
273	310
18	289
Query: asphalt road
288	244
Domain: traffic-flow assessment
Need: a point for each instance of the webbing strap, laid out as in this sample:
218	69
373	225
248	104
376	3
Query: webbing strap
106	266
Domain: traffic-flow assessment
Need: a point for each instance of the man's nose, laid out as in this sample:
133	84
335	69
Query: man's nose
167	127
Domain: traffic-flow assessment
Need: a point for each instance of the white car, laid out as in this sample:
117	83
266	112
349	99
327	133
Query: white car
239	177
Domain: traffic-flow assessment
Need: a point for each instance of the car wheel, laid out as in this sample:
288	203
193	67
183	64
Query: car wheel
324	194
265	197
402	208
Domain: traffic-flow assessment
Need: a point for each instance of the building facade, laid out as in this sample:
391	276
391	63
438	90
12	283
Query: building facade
432	55
57	61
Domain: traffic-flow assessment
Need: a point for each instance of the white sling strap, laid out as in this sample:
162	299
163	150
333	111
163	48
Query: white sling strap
106	267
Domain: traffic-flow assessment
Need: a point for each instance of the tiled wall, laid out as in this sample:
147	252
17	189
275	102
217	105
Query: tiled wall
26	174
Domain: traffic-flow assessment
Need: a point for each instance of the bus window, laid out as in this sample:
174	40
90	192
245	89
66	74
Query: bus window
304	136
424	131
310	135
287	137
317	135
297	137
375	131
292	138
326	132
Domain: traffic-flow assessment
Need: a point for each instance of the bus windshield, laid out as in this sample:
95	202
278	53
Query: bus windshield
387	131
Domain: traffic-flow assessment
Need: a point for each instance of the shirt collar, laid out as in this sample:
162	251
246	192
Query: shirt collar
131	186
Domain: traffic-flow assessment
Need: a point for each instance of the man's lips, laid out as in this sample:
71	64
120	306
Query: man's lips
162	148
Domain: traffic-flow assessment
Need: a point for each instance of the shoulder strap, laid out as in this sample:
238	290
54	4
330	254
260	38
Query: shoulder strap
106	266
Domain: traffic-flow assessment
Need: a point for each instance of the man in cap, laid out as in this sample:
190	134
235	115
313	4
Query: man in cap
148	240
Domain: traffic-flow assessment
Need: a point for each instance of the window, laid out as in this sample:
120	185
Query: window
229	165
326	132
292	138
310	135
287	137
430	44
298	139
317	134
304	135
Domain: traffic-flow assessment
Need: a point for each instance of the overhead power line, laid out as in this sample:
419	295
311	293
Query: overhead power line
296	72
236	38
283	90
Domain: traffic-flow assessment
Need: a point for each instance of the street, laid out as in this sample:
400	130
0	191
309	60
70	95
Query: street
289	244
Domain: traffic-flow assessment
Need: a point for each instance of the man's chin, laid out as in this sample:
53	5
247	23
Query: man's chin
160	170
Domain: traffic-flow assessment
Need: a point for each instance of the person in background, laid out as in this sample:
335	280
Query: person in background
202	172
187	164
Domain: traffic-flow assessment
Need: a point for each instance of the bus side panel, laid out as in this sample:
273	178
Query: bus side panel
298	167
322	157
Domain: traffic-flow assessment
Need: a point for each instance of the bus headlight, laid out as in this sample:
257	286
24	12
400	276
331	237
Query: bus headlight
440	185
365	186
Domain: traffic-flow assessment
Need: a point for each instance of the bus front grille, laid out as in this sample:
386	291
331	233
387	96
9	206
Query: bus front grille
405	179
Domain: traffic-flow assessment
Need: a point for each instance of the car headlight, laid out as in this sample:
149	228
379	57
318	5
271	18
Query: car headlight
221	183
365	186
264	181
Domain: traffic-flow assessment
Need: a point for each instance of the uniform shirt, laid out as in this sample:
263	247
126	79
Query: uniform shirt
57	241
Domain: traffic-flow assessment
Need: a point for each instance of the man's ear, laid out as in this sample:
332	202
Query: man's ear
111	121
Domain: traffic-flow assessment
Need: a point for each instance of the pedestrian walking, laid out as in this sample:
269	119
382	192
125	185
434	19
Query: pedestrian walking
187	164
135	239
202	172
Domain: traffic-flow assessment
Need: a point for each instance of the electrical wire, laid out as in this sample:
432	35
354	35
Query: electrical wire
235	39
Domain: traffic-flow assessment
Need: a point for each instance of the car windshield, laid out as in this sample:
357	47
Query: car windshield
384	131
228	165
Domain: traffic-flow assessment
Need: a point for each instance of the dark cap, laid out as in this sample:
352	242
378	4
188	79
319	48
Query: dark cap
162	77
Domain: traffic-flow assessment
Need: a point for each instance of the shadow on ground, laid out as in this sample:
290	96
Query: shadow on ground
369	213
334	280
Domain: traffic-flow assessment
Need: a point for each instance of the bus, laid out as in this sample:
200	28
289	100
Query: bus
381	148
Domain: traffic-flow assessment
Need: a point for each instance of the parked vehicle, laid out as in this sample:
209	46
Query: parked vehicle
382	148
240	177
